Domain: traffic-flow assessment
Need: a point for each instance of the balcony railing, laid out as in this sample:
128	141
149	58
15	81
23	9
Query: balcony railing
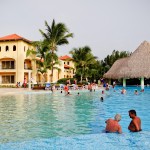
7	67
7	82
28	68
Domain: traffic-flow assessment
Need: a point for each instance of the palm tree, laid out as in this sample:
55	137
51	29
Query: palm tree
46	63
82	58
43	57
57	34
110	59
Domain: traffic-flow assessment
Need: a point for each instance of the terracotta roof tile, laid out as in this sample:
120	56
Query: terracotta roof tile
13	37
65	57
66	66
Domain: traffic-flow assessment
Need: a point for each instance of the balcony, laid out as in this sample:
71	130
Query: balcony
6	67
28	68
27	65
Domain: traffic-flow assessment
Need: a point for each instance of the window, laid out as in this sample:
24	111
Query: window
8	65
64	76
14	48
8	79
68	63
7	48
64	62
24	48
0	48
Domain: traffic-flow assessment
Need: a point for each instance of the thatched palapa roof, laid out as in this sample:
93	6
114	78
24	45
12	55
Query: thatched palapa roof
135	66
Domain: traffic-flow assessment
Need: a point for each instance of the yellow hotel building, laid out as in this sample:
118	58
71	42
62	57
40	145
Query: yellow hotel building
15	66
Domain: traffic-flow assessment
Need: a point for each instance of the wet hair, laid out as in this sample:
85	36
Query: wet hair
102	98
132	112
78	93
68	92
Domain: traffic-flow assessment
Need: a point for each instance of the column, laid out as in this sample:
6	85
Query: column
109	81
48	76
29	78
142	82
124	82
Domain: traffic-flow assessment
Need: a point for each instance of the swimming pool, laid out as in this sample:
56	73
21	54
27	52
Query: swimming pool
54	121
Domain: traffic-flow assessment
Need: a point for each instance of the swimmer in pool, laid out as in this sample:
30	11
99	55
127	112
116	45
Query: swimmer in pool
135	124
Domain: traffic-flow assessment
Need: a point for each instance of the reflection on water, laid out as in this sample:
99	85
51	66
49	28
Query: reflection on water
35	116
24	117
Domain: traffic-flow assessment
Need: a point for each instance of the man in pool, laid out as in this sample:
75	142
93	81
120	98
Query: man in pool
135	124
112	125
123	91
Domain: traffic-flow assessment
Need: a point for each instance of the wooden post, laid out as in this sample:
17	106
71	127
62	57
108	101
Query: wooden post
124	82
142	82
109	81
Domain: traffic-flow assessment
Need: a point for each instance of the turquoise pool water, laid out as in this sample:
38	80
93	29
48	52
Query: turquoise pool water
38	121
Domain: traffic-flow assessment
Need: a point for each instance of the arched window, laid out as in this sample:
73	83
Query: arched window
7	48
14	48
0	48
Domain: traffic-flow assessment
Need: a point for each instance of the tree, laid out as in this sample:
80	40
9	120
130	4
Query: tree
43	58
82	58
110	59
56	35
95	71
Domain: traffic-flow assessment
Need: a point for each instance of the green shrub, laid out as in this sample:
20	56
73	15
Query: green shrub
64	80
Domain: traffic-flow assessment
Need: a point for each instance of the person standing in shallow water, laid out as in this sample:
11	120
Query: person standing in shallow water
112	125
123	91
135	124
135	92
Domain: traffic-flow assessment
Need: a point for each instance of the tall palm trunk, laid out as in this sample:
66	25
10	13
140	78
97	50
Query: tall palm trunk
81	78
86	79
43	79
52	73
52	67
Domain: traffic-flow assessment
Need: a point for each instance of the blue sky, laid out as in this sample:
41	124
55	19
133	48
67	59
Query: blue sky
104	25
